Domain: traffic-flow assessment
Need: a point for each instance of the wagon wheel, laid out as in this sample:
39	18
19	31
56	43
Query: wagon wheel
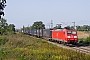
60	42
64	43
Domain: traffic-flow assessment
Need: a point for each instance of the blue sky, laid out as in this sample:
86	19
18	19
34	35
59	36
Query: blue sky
26	12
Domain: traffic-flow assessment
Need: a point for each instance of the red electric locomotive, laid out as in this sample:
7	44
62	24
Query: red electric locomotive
65	35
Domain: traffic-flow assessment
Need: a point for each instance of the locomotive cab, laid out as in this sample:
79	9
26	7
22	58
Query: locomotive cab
65	35
71	36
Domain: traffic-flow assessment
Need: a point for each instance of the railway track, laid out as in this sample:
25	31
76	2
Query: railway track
79	48
82	49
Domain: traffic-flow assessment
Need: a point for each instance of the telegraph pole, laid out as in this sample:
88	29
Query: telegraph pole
23	29
73	24
51	24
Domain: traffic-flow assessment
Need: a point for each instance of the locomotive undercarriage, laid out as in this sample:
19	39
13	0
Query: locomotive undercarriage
63	41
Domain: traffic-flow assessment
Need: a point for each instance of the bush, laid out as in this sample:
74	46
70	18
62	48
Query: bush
3	40
87	41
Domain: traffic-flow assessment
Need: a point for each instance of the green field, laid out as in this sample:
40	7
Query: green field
24	47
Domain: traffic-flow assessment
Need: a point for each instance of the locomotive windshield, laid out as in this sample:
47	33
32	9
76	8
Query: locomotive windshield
71	32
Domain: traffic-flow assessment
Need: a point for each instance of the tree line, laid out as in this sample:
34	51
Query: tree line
40	25
6	28
78	28
36	25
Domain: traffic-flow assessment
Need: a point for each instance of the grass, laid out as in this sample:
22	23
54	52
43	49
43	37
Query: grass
24	47
84	40
3	40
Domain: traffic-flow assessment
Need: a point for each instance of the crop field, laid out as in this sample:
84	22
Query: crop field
83	34
24	47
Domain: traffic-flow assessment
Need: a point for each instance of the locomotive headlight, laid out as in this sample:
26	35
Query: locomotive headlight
68	36
75	36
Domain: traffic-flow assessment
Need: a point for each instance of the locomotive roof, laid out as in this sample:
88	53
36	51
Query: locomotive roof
64	29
